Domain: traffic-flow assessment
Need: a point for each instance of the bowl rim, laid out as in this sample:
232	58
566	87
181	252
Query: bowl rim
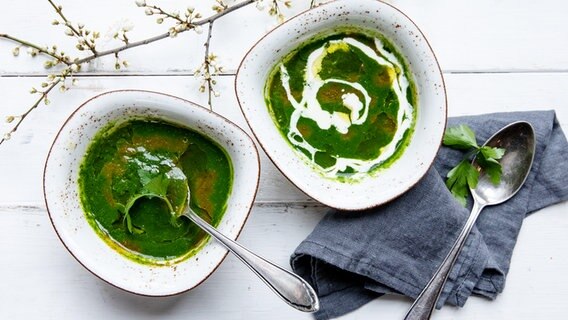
308	192
211	239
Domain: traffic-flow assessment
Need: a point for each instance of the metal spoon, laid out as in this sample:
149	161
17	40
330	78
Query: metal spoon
519	142
287	285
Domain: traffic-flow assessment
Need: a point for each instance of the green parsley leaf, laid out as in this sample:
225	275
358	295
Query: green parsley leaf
491	167
465	174
157	186
132	228
152	186
460	137
145	176
492	153
172	190
459	178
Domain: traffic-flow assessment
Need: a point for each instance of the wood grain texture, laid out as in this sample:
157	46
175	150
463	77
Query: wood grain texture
497	56
467	94
480	36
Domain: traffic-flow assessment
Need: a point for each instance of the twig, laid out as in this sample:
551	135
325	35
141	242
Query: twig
165	35
38	48
75	64
208	65
24	115
164	13
130	45
68	24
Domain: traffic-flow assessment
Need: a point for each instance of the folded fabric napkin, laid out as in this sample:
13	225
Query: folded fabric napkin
354	257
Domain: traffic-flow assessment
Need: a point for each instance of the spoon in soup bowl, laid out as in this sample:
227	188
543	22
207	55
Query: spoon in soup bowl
290	287
518	140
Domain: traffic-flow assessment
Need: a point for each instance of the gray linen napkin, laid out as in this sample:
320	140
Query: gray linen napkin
352	258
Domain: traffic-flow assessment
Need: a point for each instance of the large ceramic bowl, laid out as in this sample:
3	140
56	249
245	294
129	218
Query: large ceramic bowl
375	16
64	207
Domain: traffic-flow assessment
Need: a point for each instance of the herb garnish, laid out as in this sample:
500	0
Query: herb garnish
160	186
465	174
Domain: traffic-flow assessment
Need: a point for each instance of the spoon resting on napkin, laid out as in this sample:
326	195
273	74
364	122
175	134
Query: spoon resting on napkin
352	258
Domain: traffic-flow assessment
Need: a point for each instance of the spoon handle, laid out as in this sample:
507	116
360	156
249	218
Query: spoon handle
287	285
423	306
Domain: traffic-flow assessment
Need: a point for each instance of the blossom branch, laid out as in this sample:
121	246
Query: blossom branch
164	35
39	49
19	119
207	63
77	32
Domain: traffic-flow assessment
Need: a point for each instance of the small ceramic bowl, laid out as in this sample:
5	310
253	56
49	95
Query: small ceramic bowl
62	198
376	16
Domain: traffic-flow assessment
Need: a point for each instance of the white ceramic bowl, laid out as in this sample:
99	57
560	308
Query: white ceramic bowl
431	112
64	207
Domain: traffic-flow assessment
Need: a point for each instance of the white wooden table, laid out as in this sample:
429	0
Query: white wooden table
496	56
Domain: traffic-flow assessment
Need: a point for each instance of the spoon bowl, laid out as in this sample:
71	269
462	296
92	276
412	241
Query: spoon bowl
518	140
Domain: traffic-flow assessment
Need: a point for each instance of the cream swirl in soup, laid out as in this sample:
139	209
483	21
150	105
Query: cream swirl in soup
346	102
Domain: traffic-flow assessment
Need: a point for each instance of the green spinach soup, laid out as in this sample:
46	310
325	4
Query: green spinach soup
133	187
345	101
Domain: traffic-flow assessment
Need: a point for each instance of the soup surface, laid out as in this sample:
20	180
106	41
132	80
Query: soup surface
345	101
133	186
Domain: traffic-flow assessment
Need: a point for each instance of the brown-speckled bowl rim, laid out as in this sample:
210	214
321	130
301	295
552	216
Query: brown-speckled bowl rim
264	147
185	101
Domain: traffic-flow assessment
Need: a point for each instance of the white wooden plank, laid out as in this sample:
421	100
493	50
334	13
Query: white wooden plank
39	279
26	152
38	270
484	35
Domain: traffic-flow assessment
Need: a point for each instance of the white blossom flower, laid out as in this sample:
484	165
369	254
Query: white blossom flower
117	27
128	26
140	3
